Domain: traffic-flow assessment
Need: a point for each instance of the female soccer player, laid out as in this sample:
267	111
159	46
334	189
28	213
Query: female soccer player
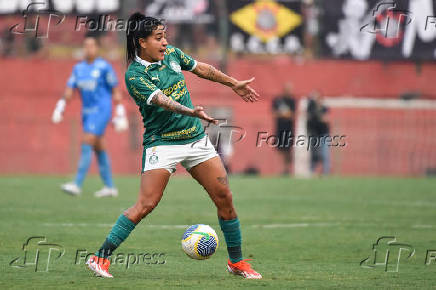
97	83
173	134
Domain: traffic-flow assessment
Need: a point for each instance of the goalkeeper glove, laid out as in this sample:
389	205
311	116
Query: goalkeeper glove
120	120
58	111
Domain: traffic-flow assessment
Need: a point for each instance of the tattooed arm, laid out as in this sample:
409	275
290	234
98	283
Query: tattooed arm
161	100
207	71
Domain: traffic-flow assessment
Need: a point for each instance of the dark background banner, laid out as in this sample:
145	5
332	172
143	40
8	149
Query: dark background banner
374	29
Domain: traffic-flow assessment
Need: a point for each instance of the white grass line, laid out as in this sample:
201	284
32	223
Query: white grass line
417	203
296	225
76	225
265	226
110	225
423	226
258	226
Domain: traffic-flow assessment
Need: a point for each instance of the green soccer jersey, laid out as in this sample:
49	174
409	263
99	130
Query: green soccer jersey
144	80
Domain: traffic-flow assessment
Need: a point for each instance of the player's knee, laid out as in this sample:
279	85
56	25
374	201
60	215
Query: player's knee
146	206
90	139
224	195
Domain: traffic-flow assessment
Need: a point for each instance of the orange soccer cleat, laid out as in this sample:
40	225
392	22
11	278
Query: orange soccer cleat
100	266
243	268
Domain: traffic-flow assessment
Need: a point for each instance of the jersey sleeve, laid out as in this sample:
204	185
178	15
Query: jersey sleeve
72	81
141	88
186	61
111	77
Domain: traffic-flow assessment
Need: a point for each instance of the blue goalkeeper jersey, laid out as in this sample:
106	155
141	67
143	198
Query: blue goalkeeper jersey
95	82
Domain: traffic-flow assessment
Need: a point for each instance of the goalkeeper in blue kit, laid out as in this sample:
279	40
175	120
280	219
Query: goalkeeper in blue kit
96	82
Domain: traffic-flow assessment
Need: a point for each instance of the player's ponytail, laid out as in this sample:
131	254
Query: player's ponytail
138	26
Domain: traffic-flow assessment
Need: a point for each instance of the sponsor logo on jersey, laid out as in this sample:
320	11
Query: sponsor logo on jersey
87	85
148	84
169	50
182	134
180	85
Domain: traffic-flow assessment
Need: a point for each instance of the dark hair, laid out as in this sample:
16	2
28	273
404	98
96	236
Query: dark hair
92	34
138	26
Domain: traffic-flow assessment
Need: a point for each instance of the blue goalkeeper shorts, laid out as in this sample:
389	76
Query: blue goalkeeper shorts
95	121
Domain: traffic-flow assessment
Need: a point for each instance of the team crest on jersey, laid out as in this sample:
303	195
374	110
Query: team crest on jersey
153	159
95	73
175	66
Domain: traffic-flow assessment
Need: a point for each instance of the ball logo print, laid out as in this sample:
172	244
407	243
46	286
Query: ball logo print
199	242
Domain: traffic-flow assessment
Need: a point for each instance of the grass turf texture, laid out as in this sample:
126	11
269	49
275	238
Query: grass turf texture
300	233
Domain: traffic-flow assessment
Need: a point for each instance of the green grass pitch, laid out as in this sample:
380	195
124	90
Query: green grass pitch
308	234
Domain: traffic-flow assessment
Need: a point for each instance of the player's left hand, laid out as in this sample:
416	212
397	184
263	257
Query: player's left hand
57	115
120	120
200	113
246	92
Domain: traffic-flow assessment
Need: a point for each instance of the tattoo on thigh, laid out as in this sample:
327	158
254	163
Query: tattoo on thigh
223	180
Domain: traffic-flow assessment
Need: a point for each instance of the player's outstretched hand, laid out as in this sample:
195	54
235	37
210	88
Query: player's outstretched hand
56	117
120	119
199	112
58	111
246	92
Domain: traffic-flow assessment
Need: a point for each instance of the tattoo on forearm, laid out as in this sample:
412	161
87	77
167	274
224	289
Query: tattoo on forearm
223	180
211	73
167	103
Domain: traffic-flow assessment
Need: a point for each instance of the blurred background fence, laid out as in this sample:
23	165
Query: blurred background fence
378	78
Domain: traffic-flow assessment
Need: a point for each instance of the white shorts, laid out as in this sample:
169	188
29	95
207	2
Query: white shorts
168	156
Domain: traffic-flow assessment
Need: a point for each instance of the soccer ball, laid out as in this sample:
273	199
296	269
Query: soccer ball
199	242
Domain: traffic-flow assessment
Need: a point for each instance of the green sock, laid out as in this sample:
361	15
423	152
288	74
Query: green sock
232	235
120	231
